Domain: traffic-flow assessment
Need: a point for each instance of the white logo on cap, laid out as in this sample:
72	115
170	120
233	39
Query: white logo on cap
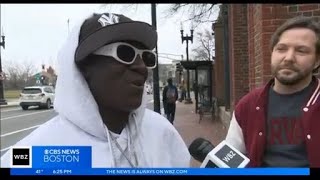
105	20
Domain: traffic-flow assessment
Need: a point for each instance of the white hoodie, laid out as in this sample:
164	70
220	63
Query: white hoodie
148	136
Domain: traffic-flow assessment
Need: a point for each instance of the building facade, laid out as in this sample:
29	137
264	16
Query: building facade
249	28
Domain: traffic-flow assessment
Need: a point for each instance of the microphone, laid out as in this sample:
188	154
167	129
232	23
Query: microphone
223	155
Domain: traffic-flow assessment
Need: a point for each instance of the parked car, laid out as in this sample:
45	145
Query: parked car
42	96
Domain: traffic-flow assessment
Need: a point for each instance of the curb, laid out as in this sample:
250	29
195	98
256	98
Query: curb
7	106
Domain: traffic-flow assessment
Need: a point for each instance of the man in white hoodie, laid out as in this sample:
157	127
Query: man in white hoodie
100	98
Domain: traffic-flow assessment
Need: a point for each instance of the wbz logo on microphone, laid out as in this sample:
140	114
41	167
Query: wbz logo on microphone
225	156
21	157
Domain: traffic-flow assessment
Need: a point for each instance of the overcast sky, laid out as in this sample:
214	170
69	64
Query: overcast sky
35	32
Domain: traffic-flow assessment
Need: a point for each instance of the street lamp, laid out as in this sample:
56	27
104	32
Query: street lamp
187	39
2	76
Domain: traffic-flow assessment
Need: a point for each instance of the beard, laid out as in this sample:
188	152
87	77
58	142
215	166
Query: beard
292	74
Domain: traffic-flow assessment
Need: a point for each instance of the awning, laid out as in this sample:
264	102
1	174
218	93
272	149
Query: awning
193	65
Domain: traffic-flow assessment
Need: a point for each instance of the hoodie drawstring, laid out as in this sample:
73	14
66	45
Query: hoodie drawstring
113	162
138	148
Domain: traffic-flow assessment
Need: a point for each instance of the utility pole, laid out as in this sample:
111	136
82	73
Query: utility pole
156	91
2	75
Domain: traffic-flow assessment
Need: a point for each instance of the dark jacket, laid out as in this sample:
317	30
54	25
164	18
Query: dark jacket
164	93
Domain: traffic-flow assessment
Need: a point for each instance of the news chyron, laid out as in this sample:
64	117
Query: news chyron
50	156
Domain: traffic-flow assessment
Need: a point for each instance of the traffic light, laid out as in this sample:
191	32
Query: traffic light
42	79
179	67
179	70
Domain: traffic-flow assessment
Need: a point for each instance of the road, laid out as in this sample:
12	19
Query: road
17	123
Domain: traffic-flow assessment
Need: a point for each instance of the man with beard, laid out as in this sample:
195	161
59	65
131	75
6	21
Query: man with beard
278	124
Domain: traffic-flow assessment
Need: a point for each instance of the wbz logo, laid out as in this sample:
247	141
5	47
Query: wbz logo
21	157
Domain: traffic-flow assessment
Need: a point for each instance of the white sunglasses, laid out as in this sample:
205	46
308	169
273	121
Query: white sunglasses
126	54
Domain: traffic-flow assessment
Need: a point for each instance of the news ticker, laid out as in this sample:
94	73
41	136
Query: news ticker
163	171
77	160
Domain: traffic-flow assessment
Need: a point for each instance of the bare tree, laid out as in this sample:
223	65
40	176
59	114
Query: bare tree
204	51
18	75
198	13
28	70
12	72
124	7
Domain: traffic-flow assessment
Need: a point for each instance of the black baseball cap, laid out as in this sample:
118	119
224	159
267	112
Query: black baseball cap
106	28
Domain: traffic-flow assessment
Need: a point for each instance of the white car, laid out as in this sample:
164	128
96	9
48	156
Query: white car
42	96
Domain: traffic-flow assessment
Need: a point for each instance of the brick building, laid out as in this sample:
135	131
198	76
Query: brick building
248	33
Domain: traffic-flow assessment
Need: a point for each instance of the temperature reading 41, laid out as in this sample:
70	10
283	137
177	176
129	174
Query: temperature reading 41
39	171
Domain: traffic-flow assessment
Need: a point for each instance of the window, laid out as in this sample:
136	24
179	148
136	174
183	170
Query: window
47	90
31	91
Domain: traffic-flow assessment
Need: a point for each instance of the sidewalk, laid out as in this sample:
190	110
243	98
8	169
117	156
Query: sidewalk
11	103
187	123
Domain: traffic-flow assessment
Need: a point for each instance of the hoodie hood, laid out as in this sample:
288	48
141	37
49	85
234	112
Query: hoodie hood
74	101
